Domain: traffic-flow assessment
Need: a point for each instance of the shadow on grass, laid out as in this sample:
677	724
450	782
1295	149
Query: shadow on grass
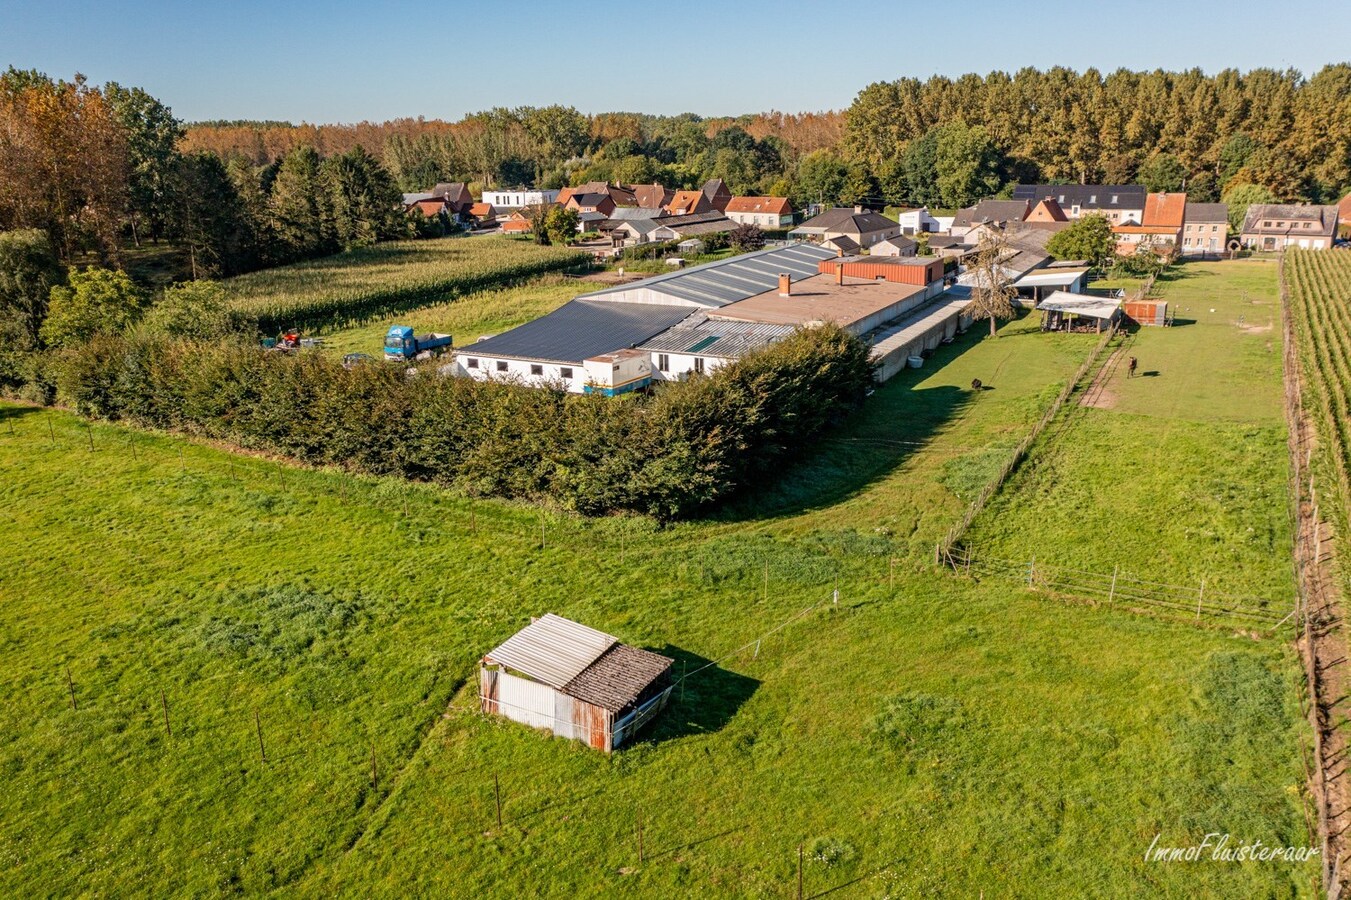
705	702
14	413
894	423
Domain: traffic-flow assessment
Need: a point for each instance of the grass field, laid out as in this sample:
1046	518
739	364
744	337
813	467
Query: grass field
356	286
1179	473
929	736
465	318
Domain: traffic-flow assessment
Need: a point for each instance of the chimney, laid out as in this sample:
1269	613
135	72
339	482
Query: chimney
785	284
839	253
839	273
858	209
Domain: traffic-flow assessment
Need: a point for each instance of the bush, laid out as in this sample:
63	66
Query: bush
683	448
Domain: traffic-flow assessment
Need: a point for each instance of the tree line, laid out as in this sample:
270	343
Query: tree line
104	169
942	142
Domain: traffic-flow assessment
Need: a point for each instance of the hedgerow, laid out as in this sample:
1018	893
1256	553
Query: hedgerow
670	454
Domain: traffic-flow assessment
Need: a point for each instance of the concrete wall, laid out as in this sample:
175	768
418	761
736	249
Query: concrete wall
518	371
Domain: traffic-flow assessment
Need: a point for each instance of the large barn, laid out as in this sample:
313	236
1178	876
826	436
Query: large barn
578	682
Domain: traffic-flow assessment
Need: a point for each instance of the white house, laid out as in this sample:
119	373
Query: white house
702	344
765	212
918	221
520	199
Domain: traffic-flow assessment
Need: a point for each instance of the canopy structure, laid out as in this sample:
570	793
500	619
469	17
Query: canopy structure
1081	305
1052	278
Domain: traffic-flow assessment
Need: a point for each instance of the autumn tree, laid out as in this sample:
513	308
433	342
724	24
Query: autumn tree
63	162
992	289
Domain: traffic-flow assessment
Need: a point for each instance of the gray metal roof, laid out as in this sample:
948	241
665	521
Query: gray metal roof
580	329
716	284
721	338
552	650
1094	196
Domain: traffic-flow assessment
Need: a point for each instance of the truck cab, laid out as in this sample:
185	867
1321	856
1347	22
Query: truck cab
400	343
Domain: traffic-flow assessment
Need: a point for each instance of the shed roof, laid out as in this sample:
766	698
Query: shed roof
721	338
1080	305
580	329
1051	277
724	281
618	677
552	650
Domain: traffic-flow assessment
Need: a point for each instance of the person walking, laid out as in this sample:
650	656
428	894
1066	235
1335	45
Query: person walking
1131	368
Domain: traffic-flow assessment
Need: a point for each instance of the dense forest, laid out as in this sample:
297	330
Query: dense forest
943	142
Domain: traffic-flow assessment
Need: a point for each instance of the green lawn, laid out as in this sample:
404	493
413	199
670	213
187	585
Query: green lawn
466	318
1179	473
930	736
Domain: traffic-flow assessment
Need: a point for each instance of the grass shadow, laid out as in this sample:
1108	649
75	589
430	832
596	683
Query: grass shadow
14	413
895	422
705	702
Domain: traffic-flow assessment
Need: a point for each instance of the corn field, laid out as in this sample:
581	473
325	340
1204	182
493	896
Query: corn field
359	285
1320	283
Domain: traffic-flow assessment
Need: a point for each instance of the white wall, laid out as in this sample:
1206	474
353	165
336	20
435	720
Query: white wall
917	220
764	220
517	371
519	198
682	365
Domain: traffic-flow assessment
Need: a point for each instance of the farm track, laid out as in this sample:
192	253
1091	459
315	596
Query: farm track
1323	646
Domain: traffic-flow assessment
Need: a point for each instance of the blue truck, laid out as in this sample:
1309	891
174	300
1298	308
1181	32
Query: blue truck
402	344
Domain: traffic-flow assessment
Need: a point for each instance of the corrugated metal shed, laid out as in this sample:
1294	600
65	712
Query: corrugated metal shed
579	330
1080	305
716	284
552	650
721	338
1051	277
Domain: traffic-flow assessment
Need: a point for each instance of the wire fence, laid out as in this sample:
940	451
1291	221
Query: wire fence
1120	588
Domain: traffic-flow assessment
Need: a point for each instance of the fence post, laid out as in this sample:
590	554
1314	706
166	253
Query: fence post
1111	596
799	872
1032	571
164	702
1199	597
258	724
70	683
497	798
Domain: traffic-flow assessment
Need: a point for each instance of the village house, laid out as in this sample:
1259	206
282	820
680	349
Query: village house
765	212
594	202
1119	203
988	212
519	199
717	194
483	214
1205	228
1159	228
897	246
457	197
574	681
918	221
860	226
686	203
1344	215
1282	225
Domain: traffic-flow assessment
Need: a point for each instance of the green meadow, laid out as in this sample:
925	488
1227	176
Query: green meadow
225	674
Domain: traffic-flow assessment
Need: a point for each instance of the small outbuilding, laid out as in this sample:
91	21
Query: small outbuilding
578	682
1078	312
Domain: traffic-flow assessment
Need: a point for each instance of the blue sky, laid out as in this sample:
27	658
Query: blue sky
343	62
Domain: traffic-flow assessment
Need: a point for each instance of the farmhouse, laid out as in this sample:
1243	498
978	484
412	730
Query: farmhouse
575	681
717	194
1120	203
1278	226
1205	227
766	212
860	226
686	203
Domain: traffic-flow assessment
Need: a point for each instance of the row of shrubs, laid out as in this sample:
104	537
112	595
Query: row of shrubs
667	454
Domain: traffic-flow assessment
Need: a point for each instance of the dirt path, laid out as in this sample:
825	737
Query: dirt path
1323	641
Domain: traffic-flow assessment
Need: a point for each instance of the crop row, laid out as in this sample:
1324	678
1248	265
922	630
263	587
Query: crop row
360	285
1320	285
